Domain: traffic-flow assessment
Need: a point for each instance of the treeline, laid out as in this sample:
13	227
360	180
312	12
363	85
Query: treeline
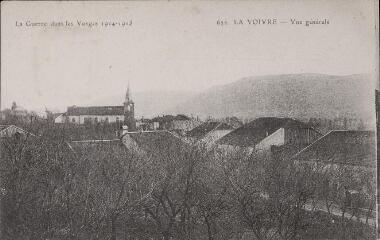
54	190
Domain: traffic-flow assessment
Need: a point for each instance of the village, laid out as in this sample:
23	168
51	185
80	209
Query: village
180	177
189	120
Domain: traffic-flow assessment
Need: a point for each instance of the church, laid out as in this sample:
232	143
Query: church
103	114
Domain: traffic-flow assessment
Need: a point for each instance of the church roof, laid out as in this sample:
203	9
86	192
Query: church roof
97	110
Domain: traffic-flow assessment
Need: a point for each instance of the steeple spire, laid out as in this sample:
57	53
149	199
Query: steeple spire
129	111
127	95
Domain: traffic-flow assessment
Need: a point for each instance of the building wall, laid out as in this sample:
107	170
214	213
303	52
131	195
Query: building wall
275	139
300	136
213	136
100	118
60	119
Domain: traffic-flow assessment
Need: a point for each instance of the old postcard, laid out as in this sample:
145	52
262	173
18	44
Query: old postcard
235	120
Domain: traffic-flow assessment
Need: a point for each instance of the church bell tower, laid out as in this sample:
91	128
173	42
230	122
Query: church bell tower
129	111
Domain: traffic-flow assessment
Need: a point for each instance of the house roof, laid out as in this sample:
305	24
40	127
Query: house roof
253	132
55	115
356	148
97	110
157	142
4	127
203	129
169	118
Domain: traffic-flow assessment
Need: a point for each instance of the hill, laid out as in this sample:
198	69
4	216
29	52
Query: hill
290	95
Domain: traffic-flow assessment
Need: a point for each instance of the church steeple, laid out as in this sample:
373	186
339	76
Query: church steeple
129	111
127	95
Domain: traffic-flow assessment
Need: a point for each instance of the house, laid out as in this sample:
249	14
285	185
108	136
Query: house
106	114
18	110
209	132
156	143
348	155
268	132
145	124
342	147
180	123
141	144
12	130
16	113
58	117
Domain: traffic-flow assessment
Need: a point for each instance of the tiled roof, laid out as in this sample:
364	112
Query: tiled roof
98	110
205	128
3	127
157	142
342	147
253	132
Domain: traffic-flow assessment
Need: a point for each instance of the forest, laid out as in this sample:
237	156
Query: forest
53	189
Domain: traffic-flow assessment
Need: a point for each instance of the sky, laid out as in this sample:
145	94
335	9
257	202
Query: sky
173	46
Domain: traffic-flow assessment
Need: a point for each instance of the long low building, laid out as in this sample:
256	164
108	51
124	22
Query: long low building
342	147
82	115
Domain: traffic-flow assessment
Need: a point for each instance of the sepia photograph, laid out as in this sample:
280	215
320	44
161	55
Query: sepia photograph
189	120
